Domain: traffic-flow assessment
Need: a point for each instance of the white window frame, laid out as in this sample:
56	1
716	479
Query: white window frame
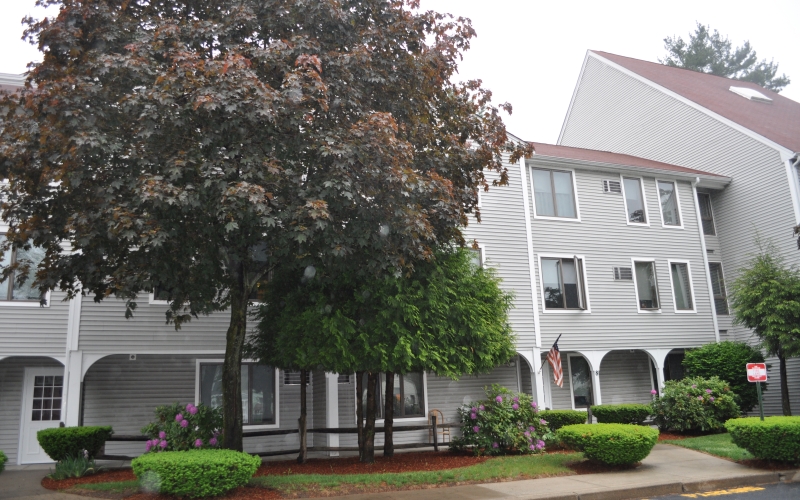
713	303
644	201
574	194
677	200
545	310
197	401
675	309
481	253
22	303
396	420
713	217
634	260
569	370
153	301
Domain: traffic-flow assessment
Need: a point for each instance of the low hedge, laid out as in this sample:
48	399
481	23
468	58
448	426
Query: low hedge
622	414
62	442
3	460
613	444
557	419
196	473
776	438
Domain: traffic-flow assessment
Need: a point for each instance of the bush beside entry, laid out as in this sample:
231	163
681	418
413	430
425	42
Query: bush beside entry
3	460
622	414
62	442
776	438
695	405
557	419
613	444
196	473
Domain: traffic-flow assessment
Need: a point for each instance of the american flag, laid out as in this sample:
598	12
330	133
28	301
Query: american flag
554	358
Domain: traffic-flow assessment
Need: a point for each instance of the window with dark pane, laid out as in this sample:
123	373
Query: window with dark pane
562	279
408	393
47	393
646	285
706	215
718	288
12	289
258	391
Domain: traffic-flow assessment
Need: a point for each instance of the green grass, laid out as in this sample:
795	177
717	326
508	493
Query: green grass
715	444
505	468
115	487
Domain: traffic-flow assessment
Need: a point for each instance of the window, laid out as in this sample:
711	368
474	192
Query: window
562	280
646	285
706	216
668	197
10	289
47	397
408	394
681	286
581	378
554	194
258	391
718	288
634	200
476	256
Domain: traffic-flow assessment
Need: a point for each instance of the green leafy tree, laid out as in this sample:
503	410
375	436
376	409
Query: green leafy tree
727	360
713	53
765	297
448	316
190	146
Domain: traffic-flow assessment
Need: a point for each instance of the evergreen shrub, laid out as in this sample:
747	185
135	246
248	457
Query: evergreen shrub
695	404
62	442
182	428
3	460
622	414
557	419
195	473
613	444
503	423
776	438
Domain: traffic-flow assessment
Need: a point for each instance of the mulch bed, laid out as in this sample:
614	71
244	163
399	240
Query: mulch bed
104	476
766	464
401	462
663	436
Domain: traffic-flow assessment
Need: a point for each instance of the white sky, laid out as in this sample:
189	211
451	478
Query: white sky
530	53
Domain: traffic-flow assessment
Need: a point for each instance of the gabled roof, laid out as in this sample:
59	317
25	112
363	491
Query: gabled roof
593	157
778	121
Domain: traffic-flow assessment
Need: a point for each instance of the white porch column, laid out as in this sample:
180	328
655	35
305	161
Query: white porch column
538	377
332	410
659	357
71	399
594	358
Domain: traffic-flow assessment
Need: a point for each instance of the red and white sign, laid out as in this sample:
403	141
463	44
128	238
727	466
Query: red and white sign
756	372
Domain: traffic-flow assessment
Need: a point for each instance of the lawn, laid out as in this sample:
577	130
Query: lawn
715	444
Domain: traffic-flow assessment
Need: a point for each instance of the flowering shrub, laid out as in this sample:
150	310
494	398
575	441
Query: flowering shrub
503	423
695	405
181	428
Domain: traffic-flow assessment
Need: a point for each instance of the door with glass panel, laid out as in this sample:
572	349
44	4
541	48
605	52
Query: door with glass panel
41	409
581	380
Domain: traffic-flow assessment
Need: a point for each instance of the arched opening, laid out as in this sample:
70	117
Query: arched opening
626	377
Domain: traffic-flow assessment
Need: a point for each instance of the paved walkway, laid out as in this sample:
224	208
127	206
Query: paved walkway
668	470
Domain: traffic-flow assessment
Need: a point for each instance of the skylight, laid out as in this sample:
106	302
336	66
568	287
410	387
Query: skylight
753	95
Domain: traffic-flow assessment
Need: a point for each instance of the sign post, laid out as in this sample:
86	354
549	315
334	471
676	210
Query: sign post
757	372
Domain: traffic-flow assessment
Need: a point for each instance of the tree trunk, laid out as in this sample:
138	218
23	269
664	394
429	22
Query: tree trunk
388	410
360	413
232	367
369	428
301	458
787	409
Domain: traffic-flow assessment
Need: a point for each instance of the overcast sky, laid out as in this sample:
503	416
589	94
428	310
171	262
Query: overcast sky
530	53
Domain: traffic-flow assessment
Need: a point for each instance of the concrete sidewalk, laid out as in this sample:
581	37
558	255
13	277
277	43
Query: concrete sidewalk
668	470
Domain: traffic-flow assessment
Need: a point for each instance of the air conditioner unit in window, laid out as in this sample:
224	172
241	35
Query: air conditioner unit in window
610	186
623	273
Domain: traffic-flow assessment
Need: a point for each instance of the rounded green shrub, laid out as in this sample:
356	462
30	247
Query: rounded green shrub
62	442
557	419
776	438
3	460
695	404
613	444
196	473
727	360
622	414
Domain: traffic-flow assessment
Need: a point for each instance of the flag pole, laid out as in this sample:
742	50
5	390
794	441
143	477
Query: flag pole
554	343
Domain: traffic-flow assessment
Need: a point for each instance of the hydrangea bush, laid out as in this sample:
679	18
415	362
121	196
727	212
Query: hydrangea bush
182	428
504	423
695	404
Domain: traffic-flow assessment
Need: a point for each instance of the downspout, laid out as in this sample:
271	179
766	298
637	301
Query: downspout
705	258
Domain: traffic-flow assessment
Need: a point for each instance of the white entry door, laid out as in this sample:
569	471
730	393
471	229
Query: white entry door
41	409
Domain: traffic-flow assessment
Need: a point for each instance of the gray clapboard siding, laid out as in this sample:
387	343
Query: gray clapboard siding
625	377
34	331
124	393
605	239
615	112
772	397
502	232
12	373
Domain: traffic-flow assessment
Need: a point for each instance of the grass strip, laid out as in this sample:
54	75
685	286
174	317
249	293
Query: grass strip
499	468
719	445
118	486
